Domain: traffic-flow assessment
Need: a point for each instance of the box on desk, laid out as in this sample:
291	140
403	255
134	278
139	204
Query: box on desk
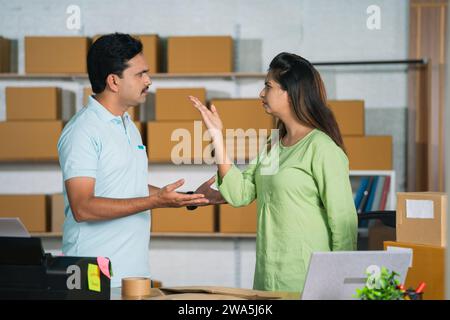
427	265
422	218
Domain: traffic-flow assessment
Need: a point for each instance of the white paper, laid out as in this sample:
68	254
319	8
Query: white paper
419	209
400	249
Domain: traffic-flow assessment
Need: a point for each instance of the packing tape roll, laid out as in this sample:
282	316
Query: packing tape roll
135	287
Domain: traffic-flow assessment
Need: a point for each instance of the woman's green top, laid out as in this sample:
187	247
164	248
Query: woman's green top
305	204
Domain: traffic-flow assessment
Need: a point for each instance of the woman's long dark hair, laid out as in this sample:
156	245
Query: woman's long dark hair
307	95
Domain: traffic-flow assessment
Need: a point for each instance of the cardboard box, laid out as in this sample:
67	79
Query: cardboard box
369	153
428	265
349	116
5	55
32	210
38	103
177	142
134	112
29	140
422	218
174	105
200	54
238	220
57	215
183	220
220	293
378	234
56	54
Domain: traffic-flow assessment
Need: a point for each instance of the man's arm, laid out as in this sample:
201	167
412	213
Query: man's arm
86	207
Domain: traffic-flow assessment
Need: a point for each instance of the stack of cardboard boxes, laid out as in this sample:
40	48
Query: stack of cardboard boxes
177	123
421	229
364	152
33	124
31	132
39	212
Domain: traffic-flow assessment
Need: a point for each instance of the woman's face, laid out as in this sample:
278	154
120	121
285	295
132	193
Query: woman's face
275	100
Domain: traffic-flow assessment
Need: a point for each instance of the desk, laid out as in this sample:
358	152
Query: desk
154	292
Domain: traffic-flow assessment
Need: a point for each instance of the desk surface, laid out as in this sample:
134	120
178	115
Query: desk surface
116	295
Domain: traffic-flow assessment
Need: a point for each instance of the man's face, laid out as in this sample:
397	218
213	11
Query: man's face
135	81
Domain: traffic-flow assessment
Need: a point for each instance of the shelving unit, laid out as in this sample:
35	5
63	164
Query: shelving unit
392	198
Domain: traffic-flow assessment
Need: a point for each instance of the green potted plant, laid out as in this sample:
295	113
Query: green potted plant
381	285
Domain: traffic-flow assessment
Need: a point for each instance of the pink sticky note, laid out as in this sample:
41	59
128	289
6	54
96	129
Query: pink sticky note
103	264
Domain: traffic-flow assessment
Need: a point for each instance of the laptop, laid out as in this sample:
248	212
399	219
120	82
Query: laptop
337	275
12	227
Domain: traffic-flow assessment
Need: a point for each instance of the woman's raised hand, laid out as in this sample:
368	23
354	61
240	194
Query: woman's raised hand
210	117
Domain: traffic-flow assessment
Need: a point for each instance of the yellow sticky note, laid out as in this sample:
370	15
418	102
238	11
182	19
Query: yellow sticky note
94	277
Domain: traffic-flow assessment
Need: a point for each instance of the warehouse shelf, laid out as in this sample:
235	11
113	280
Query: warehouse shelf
392	195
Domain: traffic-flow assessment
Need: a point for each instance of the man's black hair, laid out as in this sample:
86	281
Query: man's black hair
109	54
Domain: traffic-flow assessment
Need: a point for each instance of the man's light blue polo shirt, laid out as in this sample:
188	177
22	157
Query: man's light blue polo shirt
96	144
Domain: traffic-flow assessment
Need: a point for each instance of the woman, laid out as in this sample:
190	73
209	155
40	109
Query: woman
306	205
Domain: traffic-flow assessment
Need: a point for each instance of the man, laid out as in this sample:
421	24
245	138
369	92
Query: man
105	165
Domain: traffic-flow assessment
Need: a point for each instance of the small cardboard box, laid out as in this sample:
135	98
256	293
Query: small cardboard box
5	55
37	103
369	152
427	265
177	142
238	220
174	105
56	54
57	215
422	218
207	54
32	210
29	140
134	112
183	220
349	116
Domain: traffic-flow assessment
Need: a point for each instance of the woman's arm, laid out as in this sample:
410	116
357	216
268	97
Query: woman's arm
238	188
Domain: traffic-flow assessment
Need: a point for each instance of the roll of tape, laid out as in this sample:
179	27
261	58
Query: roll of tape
135	287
